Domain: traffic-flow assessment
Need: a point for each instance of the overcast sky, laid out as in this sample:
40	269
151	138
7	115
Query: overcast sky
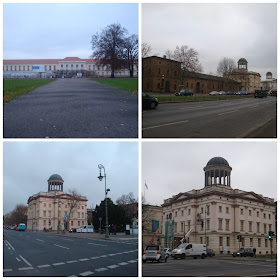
174	167
39	31
215	31
28	166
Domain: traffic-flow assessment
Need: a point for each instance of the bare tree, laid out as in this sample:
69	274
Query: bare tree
74	199
108	46
17	216
146	50
225	67
129	204
131	52
188	58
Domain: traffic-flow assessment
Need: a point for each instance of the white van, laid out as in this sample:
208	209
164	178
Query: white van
190	250
88	228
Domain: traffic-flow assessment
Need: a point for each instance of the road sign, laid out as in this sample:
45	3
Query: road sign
100	219
65	216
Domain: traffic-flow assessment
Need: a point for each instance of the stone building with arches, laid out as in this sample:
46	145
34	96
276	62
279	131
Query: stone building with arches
269	83
165	75
51	209
217	214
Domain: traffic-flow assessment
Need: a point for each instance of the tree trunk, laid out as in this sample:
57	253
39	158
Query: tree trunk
131	73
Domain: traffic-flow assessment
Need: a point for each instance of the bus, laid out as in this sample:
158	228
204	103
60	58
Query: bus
22	227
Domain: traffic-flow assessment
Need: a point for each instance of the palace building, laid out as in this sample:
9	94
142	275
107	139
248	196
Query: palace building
270	83
58	68
216	215
51	209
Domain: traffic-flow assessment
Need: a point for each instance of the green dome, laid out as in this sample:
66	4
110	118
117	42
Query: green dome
242	60
55	177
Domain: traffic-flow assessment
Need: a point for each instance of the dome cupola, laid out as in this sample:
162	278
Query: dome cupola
55	183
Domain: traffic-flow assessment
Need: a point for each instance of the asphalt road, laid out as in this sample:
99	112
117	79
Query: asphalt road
72	108
42	254
210	267
235	118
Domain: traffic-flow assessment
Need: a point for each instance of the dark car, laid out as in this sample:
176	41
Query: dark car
210	253
273	93
149	101
260	93
186	92
244	253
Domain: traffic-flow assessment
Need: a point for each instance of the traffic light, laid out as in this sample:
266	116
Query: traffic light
270	234
49	222
239	238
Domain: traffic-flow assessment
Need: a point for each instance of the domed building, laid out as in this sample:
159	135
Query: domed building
270	83
216	214
249	80
56	210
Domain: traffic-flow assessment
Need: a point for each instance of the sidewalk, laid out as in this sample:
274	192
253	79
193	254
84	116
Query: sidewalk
243	259
120	236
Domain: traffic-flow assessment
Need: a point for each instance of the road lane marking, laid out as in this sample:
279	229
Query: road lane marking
156	126
111	255
103	256
86	273
123	263
7	270
40	240
61	246
229	112
112	266
18	259
101	269
43	265
74	261
68	239
28	263
56	264
26	268
98	244
10	245
132	261
93	258
82	260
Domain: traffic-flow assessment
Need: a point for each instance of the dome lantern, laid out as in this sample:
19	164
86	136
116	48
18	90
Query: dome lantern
217	172
242	64
55	183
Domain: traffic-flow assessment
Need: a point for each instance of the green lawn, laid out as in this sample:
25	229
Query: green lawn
194	98
129	84
16	87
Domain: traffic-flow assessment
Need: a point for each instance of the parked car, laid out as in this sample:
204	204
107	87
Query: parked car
273	93
155	253
241	93
260	93
229	93
149	101
243	253
190	250
21	227
85	228
168	251
186	92
177	93
222	93
210	253
214	93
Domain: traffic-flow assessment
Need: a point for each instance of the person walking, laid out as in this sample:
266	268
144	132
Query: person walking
254	250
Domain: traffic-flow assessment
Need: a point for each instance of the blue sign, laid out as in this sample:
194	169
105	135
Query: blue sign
35	67
65	216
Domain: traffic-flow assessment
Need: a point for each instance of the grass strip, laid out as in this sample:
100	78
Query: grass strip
130	84
13	88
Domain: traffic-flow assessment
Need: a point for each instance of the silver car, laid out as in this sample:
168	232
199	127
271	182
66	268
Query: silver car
155	253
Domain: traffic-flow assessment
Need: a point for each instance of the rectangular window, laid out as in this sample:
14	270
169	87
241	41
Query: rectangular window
258	213
201	240
71	223
78	215
264	215
251	242
241	225
175	227
250	226
50	67
227	224
220	209
220	224
15	68
189	211
182	227
228	241
259	242
50	205
201	210
83	214
189	225
258	227
23	68
89	67
11	68
78	223
54	67
227	210
208	225
265	243
175	214
182	213
19	68
269	216
83	222
264	228
44	213
44	223
241	211
250	212
7	68
221	241
28	68
45	204
50	213
269	227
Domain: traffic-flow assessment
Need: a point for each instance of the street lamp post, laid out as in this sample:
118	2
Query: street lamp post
100	177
